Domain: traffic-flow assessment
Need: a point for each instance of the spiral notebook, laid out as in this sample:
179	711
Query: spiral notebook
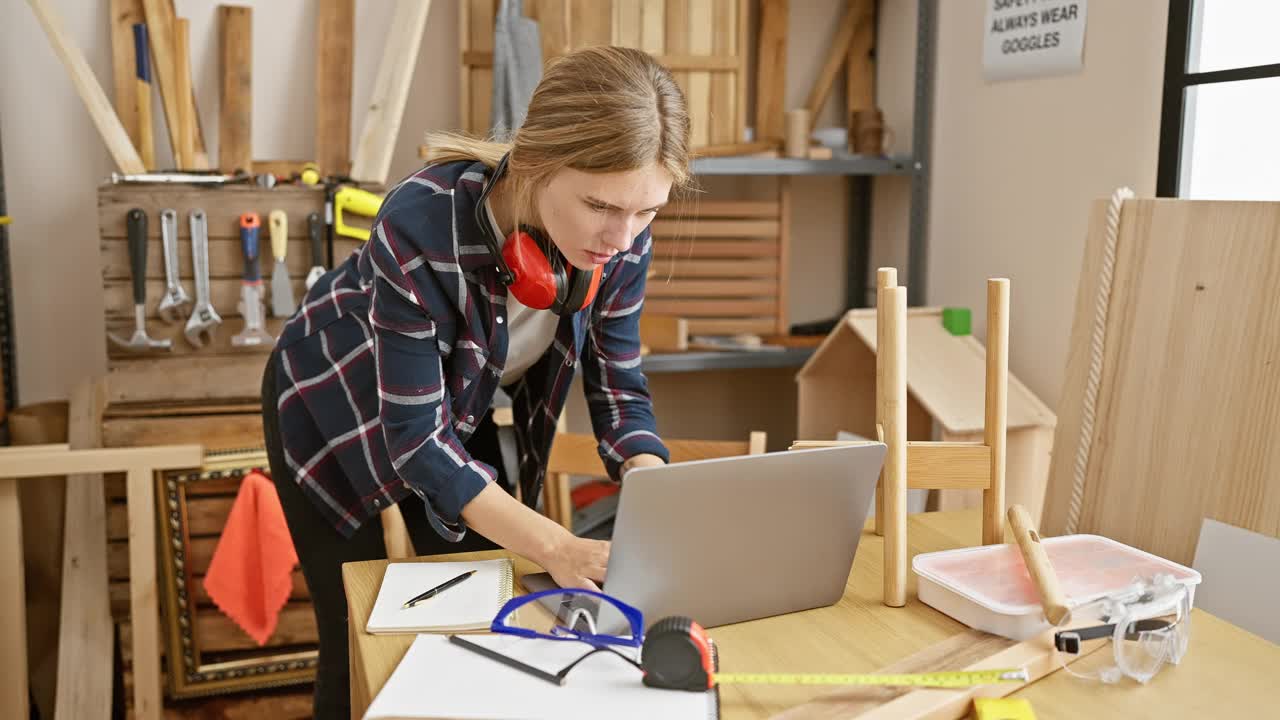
469	606
437	679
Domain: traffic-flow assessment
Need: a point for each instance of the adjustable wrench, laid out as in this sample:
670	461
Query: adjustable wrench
175	303
203	317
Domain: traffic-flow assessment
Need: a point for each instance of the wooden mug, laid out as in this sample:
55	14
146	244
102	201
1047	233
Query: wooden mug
868	134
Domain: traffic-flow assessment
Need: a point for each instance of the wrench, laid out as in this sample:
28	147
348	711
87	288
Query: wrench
204	319
174	304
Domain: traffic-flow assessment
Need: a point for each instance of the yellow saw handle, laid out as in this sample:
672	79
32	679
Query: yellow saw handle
279	223
360	202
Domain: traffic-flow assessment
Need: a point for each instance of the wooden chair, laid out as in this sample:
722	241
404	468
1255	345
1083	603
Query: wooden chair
575	454
932	465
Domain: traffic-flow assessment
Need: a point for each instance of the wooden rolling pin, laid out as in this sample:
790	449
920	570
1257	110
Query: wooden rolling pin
1037	561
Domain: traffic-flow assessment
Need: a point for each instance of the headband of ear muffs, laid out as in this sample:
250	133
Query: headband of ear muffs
532	268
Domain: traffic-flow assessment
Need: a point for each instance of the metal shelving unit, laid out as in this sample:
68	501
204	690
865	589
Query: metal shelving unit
860	172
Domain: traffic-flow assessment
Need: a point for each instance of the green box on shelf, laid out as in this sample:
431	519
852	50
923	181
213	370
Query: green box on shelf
957	321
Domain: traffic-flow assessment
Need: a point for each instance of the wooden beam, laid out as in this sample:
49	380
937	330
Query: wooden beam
837	54
886	277
235	70
57	460
95	100
84	628
184	144
124	66
663	333
13	608
860	71
335	29
771	69
372	159
144	612
938	466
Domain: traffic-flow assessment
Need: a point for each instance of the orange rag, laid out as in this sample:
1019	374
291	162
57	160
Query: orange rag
250	576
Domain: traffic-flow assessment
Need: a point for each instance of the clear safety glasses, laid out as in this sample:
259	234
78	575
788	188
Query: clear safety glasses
1148	625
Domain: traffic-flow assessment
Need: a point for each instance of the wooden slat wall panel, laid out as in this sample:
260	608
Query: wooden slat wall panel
707	34
217	632
119	591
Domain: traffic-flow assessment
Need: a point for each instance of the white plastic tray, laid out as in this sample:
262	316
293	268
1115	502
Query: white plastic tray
988	587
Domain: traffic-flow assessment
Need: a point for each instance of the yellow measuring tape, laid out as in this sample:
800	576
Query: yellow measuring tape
956	679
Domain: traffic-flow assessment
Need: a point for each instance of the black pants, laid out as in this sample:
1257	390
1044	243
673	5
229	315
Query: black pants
322	549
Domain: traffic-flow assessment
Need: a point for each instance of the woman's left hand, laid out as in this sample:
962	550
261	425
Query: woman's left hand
639	461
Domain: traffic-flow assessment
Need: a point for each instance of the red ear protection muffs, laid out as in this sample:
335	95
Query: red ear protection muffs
532	268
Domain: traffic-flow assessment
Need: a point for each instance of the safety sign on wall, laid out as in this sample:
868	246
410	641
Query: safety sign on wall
1033	38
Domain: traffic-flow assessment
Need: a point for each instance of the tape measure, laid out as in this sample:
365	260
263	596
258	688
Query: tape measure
678	655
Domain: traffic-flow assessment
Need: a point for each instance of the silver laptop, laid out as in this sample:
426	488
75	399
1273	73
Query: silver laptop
735	539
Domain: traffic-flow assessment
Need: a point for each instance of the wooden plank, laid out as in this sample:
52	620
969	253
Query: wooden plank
124	66
119	592
483	60
226	260
936	465
13	605
480	21
144	610
205	516
711	288
199	555
771	69
653	25
678	42
224	294
222	207
740	87
701	38
740	268
689	248
372	158
57	459
213	379
104	117
553	26
84	629
837	55
691	308
860	69
724	86
784	255
730	326
160	29
589	24
114	486
708	209
217	432
1201	374
185	143
716	228
335	33
235	69
296	625
627	23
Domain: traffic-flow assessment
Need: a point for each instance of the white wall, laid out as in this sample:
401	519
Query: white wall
54	159
1016	165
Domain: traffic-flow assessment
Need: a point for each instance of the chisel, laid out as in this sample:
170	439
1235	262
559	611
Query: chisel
282	304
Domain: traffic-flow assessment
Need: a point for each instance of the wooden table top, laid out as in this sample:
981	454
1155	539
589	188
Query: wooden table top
1227	671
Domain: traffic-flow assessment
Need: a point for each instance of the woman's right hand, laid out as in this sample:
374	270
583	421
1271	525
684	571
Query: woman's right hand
578	562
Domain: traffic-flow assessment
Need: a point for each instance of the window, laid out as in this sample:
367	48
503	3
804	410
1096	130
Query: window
1218	130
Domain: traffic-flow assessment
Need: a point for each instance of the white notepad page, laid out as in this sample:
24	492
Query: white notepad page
469	605
437	679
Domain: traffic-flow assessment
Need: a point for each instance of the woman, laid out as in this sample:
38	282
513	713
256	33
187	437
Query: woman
379	388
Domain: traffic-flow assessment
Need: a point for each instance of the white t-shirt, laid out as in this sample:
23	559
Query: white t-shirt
530	331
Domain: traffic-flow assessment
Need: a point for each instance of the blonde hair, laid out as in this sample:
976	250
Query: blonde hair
599	109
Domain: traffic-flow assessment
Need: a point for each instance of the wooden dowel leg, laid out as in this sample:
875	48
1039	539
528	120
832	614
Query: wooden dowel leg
894	351
993	499
886	277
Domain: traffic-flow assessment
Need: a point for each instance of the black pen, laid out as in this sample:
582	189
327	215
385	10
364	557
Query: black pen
438	589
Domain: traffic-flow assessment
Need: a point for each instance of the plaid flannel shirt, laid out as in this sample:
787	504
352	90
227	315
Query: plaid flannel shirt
396	354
